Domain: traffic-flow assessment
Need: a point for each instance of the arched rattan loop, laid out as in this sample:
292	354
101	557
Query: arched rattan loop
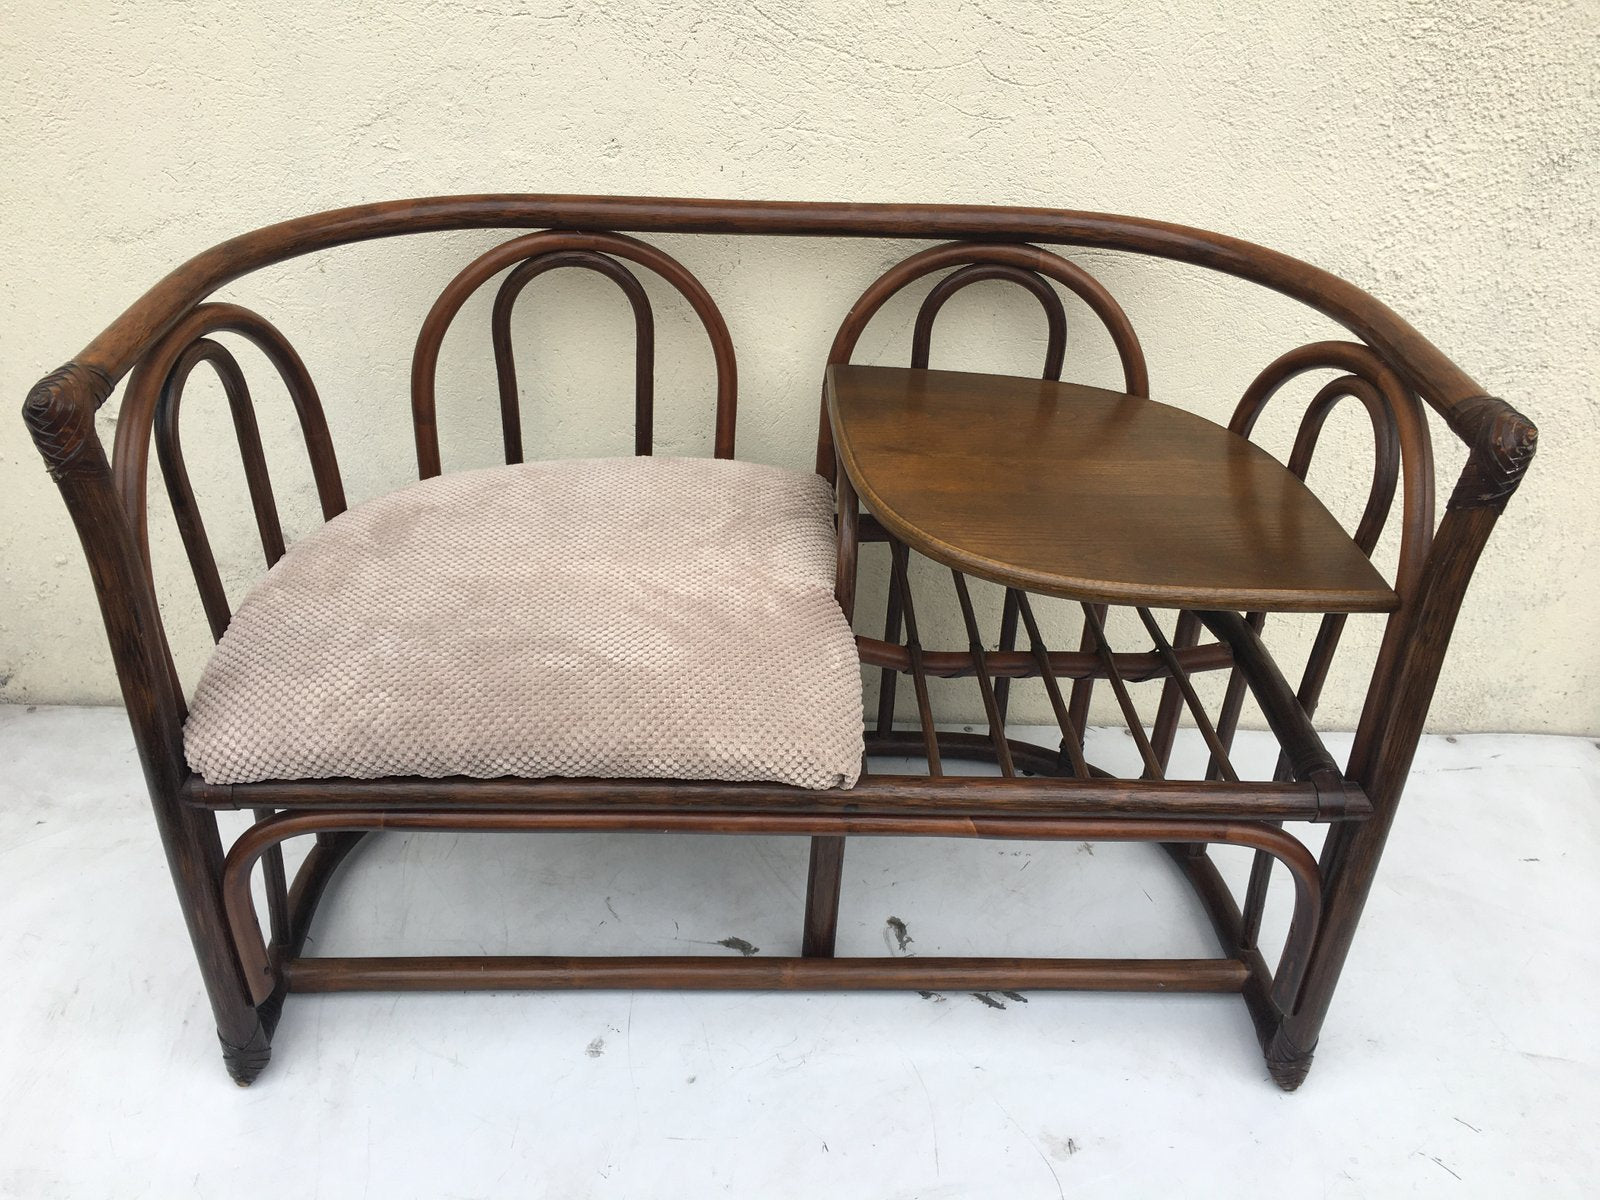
1136	379
1055	314
644	345
1401	446
425	361
1405	417
156	383
1385	449
1375	514
169	452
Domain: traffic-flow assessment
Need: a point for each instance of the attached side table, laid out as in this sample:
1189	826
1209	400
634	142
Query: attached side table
1091	495
1107	499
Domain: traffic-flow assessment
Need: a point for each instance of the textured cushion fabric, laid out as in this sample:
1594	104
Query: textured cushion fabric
617	618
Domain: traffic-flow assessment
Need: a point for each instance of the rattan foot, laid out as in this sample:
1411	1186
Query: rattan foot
1287	1063
246	1062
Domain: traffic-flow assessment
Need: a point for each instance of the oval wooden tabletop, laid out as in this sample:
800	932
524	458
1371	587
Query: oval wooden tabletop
1093	495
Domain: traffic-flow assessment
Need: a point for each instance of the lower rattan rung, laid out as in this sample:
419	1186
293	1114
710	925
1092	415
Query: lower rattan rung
480	973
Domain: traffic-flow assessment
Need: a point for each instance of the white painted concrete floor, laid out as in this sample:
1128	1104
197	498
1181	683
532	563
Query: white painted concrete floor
1459	1060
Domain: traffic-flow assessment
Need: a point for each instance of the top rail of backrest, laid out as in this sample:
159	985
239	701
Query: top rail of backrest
1422	365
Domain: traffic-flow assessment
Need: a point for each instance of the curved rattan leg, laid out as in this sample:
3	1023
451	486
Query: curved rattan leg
1350	861
1288	1062
194	854
311	882
824	878
245	1060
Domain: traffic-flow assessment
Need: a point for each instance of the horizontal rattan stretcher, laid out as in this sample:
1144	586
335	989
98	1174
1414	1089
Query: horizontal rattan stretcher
675	647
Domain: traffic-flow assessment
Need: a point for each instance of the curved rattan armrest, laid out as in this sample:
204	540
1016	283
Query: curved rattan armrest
59	412
1501	442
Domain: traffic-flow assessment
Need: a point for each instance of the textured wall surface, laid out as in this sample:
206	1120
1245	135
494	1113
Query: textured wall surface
1442	155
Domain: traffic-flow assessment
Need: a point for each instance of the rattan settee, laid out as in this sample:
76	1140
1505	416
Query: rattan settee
666	644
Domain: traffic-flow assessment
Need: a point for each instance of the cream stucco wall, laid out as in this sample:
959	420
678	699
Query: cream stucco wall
1442	155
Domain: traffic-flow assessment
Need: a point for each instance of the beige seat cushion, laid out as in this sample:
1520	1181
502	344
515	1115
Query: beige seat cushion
618	618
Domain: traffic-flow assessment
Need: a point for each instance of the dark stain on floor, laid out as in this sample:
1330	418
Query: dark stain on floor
739	944
898	927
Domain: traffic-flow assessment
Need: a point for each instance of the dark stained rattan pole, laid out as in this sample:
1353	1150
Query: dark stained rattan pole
1318	663
886	795
1231	708
1071	746
997	724
889	678
1006	644
1422	365
317	869
1255	901
1164	734
1216	898
137	419
425	357
1219	752
778	974
824	881
1399	437
278	911
846	571
1096	632
919	678
1026	757
1082	694
1308	757
1134	666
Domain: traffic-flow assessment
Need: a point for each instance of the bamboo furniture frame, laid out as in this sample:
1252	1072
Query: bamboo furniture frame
1391	370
